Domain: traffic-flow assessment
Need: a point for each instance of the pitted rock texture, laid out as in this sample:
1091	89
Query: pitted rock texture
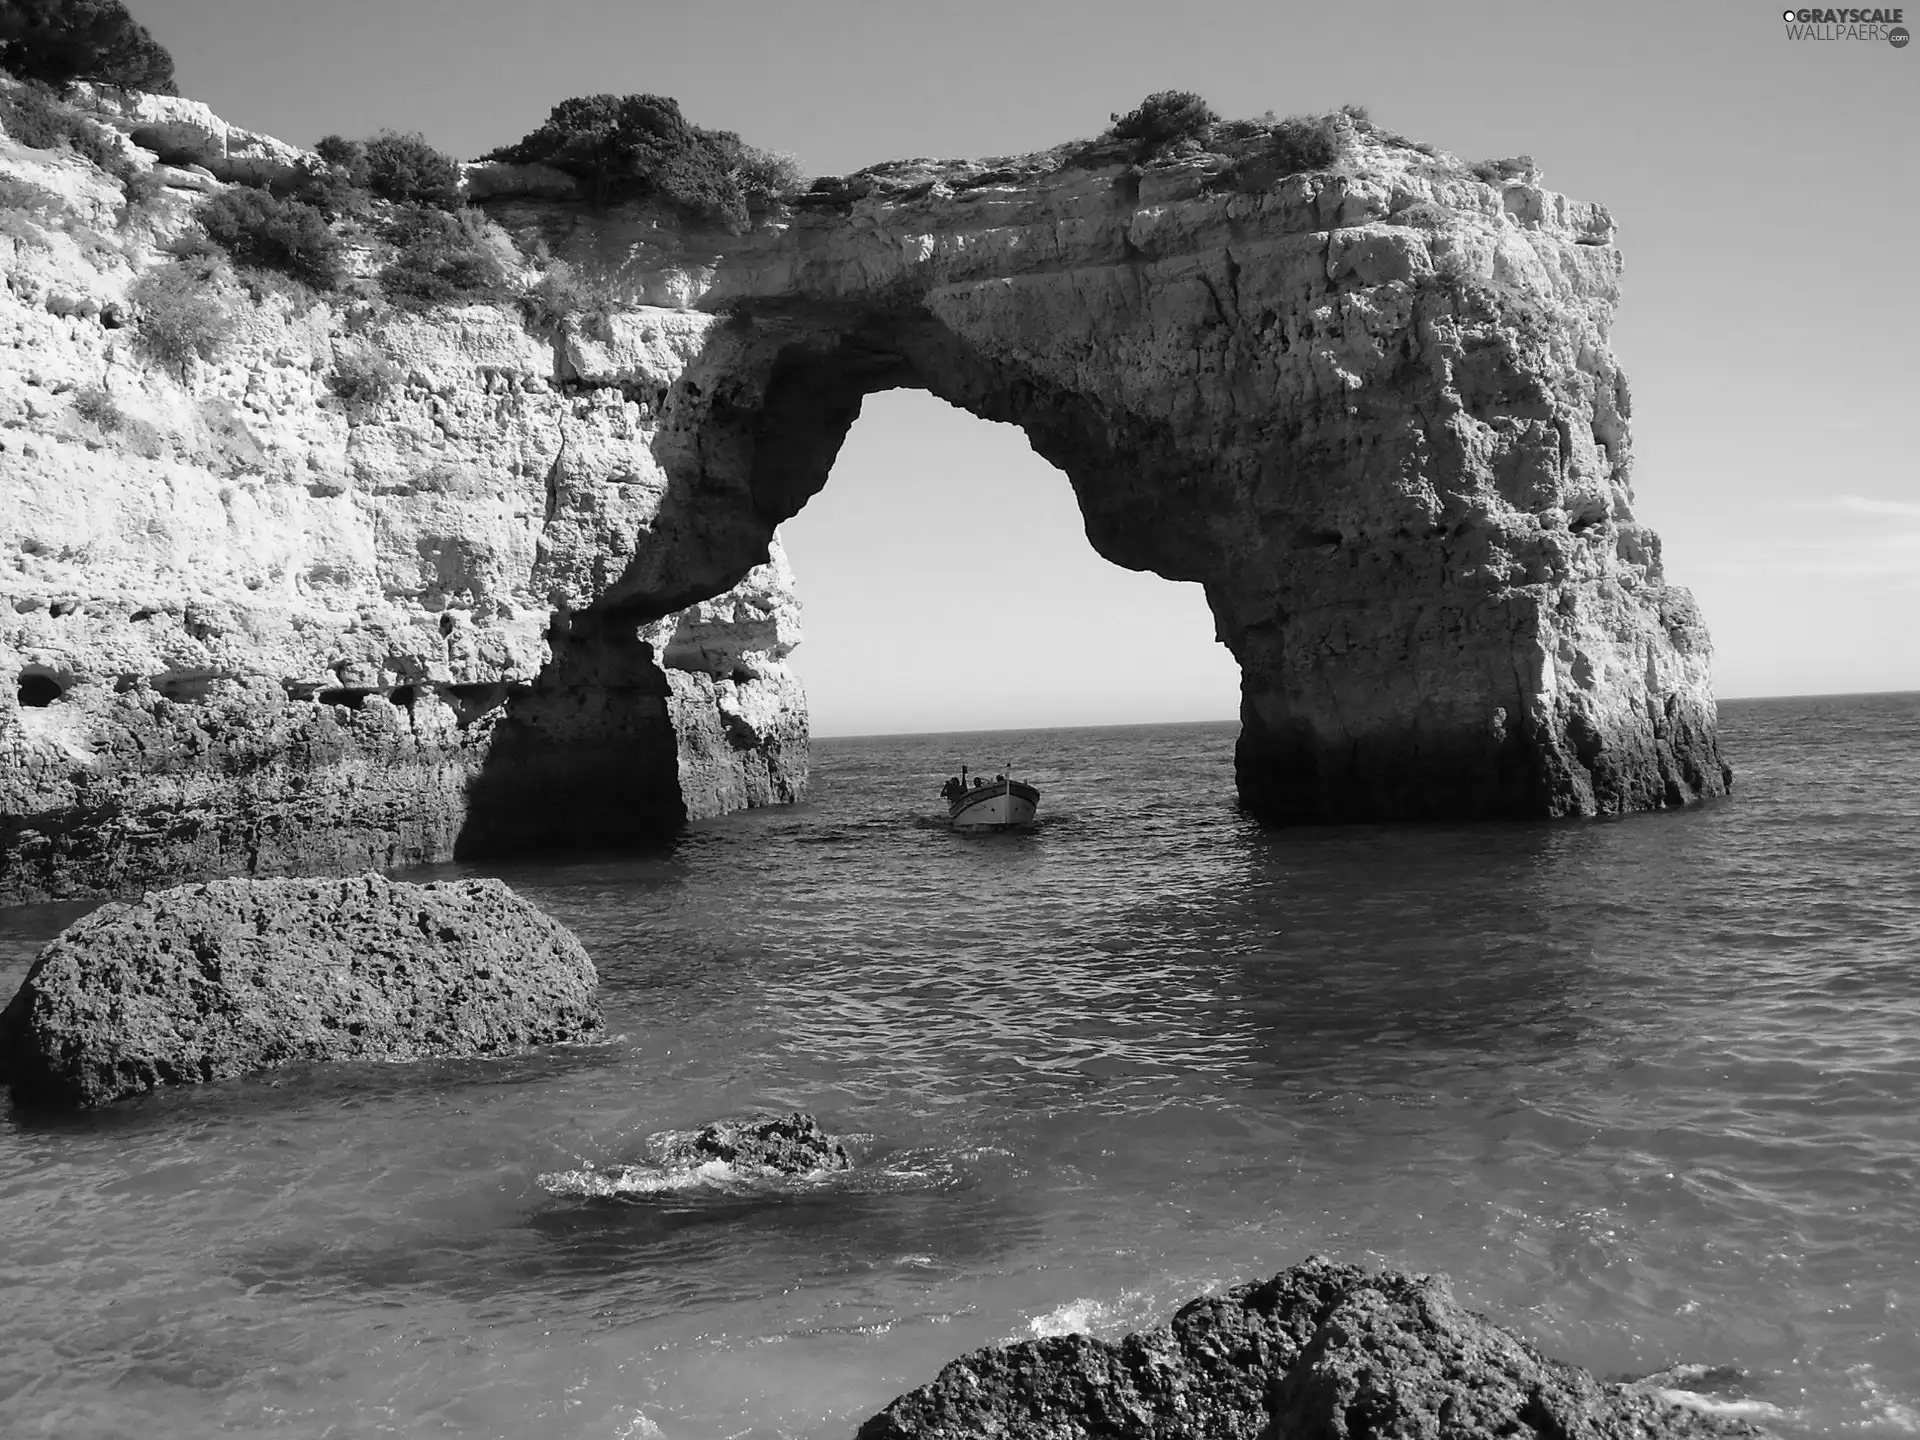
206	982
791	1144
250	626
1371	409
1320	1352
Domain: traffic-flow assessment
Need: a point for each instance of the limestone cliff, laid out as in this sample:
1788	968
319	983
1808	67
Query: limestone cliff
530	592
250	625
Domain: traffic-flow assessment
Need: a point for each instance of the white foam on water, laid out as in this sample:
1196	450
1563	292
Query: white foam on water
1884	1409
1087	1316
625	1181
641	1428
1713	1405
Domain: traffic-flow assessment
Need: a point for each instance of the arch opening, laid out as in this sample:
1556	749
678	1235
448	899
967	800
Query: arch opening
941	542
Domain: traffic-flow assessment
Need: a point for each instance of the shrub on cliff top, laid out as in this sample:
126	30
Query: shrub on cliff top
272	233
60	41
1164	117
331	189
401	168
407	170
1299	143
1498	172
629	147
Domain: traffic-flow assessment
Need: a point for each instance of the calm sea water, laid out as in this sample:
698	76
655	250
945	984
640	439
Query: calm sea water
1649	1090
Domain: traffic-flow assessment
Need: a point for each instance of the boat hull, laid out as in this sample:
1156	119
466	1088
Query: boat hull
1001	806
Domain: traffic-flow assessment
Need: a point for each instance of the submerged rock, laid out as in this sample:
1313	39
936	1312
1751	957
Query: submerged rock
204	982
787	1144
1320	1350
722	1155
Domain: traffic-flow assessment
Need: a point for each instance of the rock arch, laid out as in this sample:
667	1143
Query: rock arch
1373	413
527	595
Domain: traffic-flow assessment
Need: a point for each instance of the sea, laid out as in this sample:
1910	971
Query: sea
1647	1089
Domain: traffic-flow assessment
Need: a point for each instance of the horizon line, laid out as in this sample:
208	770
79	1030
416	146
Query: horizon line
1234	719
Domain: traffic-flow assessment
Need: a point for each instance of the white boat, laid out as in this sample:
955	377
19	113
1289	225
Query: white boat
997	804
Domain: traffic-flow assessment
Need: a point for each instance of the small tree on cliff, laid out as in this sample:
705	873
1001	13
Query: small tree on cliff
60	41
638	146
1164	117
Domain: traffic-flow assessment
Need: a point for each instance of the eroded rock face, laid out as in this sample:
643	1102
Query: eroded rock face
206	982
248	624
1371	409
1319	1352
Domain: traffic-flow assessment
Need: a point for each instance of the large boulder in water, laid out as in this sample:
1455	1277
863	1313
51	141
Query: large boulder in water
1320	1352
203	982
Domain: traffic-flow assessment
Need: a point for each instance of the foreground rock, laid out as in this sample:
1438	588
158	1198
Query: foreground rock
723	1155
204	982
1320	1350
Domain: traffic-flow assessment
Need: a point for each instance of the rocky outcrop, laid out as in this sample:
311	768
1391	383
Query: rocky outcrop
205	982
1320	1351
251	625
783	1144
727	1156
1371	408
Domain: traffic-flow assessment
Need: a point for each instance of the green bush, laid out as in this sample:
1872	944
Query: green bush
1498	172
35	117
95	406
363	377
272	233
764	176
181	316
60	41
347	155
562	292
443	258
629	147
1243	130
24	195
331	189
401	168
143	188
1299	143
1164	117
407	170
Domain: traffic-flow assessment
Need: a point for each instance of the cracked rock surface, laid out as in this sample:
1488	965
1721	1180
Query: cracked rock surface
1321	1351
206	982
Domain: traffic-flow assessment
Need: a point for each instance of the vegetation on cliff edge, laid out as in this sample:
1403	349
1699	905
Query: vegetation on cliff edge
630	147
60	41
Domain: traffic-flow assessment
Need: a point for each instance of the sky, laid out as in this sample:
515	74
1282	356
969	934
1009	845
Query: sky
1767	192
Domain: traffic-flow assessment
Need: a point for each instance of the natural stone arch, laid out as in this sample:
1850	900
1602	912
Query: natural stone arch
1389	441
1371	409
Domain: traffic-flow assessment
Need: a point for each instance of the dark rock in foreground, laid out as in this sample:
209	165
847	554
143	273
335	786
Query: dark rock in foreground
204	982
1320	1350
788	1144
